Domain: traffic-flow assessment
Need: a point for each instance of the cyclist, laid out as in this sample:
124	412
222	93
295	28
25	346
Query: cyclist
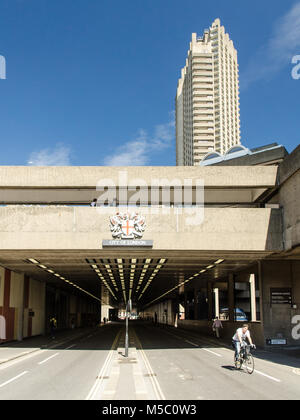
240	336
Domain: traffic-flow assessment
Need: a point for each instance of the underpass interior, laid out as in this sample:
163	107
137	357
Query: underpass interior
163	362
108	279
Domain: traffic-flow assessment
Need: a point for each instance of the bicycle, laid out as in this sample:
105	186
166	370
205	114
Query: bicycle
245	359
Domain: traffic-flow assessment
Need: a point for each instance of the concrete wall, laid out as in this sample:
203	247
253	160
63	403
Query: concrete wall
277	319
20	297
221	229
37	305
164	310
16	301
289	198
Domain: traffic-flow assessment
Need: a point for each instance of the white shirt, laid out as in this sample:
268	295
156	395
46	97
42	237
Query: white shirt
217	324
2	328
239	333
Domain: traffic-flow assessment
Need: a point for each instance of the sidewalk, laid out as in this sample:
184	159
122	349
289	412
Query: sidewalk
14	349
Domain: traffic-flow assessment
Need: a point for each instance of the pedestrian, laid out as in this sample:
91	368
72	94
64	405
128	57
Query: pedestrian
2	328
72	323
53	326
94	203
216	326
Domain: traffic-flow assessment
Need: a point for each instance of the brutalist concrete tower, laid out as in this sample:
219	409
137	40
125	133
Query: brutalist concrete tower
207	100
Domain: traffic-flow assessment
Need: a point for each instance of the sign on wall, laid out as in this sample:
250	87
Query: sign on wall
281	296
127	230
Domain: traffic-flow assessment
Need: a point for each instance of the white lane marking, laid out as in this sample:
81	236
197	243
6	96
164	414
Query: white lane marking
193	344
267	376
216	354
98	382
67	348
296	371
155	384
107	363
210	351
13	379
10	363
48	358
196	345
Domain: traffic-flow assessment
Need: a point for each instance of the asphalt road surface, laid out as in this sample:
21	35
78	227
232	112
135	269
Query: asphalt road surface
163	364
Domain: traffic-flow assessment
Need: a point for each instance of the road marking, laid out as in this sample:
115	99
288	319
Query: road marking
228	349
212	352
267	376
103	372
11	362
48	358
193	344
73	345
296	371
155	384
13	379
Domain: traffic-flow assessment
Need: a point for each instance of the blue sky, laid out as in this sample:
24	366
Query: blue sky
93	82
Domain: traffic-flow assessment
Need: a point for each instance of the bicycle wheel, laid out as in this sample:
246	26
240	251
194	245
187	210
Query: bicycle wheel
237	363
249	364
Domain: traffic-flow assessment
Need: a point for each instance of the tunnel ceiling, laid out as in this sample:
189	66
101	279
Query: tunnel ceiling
142	276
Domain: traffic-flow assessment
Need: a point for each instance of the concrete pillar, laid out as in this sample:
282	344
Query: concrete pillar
186	312
261	291
196	314
231	297
217	304
210	300
252	297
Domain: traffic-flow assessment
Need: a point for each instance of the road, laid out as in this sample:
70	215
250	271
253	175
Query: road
163	364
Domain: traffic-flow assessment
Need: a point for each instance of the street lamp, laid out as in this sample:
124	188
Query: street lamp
128	311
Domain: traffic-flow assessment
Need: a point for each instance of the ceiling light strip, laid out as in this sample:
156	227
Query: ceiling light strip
42	266
220	261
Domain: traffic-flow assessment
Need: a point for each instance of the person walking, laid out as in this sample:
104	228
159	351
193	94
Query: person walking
216	326
72	323
53	326
94	203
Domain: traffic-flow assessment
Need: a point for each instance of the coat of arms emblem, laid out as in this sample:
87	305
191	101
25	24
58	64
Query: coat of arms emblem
127	226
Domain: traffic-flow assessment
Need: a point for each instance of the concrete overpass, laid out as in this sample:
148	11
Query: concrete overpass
215	238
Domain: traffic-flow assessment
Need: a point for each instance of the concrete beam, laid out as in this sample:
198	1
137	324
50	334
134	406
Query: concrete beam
87	176
73	228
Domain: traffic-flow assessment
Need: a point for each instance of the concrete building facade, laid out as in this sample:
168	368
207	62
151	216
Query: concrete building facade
236	256
207	100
